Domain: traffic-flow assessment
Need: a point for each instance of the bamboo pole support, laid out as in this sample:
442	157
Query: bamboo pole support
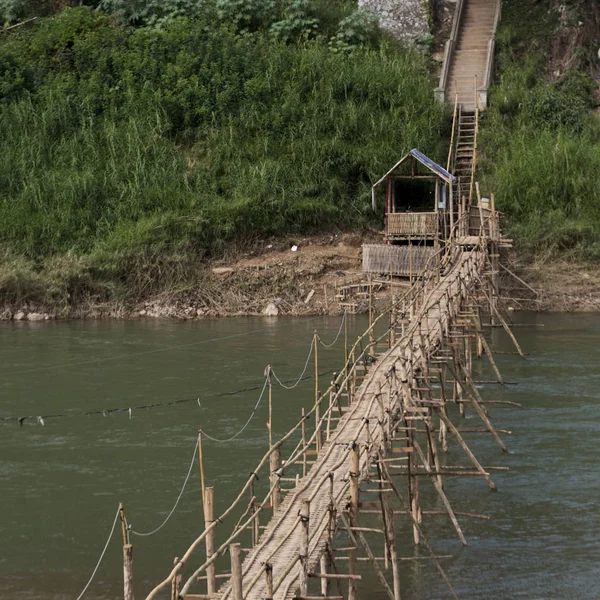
317	394
442	495
269	581
128	572
209	517
506	327
127	557
255	521
444	409
270	423
467	450
304	463
390	538
325	563
318	425
303	550
235	554
354	502
175	583
275	465
201	462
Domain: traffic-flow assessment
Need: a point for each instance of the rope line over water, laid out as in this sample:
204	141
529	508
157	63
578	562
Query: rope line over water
40	419
87	585
187	478
108	411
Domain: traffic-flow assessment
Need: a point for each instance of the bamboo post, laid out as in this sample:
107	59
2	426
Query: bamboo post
201	461
209	503
325	569
413	484
354	500
127	558
317	393
304	442
305	524
256	521
175	583
269	581
371	332
270	423
410	262
128	572
235	552
390	538
444	409
275	465
319	432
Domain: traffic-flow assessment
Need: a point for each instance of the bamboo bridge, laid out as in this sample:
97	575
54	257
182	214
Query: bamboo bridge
384	420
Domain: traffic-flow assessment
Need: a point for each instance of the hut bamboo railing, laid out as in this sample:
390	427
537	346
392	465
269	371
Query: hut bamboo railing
411	224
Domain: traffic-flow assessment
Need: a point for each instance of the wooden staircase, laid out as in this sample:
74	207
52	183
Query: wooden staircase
468	65
465	153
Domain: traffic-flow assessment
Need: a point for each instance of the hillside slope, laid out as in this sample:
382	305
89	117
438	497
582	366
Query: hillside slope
133	153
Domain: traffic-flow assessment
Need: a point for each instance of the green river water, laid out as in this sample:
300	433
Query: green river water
60	484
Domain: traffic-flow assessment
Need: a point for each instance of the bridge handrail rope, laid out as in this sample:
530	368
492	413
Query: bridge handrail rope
187	478
413	294
112	530
337	337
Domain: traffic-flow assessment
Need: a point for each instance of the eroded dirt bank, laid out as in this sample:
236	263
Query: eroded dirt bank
306	276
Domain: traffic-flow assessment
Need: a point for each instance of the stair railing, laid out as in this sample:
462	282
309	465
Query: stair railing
474	162
454	127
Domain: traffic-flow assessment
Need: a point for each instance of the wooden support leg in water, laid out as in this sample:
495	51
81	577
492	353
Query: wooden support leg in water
477	403
443	408
209	499
443	496
465	447
358	537
354	500
388	522
481	341
506	327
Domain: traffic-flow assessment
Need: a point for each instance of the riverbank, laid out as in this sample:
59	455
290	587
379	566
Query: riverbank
305	276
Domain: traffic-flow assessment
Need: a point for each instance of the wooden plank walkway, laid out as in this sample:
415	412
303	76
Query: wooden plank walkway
329	477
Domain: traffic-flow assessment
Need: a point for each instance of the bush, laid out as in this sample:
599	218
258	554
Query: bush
298	24
354	31
13	10
178	141
540	142
247	15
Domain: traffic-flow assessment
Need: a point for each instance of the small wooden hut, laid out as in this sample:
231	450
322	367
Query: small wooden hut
419	215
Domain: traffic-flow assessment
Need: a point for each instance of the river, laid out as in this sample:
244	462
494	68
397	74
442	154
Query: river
60	483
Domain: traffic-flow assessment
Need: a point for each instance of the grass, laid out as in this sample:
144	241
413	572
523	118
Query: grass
540	140
130	154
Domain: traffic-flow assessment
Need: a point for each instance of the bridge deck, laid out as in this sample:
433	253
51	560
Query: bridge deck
280	543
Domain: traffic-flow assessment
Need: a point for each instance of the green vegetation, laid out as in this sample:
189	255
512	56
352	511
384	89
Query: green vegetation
541	137
131	152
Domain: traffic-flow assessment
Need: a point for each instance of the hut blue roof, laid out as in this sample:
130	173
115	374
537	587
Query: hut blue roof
432	166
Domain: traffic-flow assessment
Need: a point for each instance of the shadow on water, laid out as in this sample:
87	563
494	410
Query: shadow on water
61	483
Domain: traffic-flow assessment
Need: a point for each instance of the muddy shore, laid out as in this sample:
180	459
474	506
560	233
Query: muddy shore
307	276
